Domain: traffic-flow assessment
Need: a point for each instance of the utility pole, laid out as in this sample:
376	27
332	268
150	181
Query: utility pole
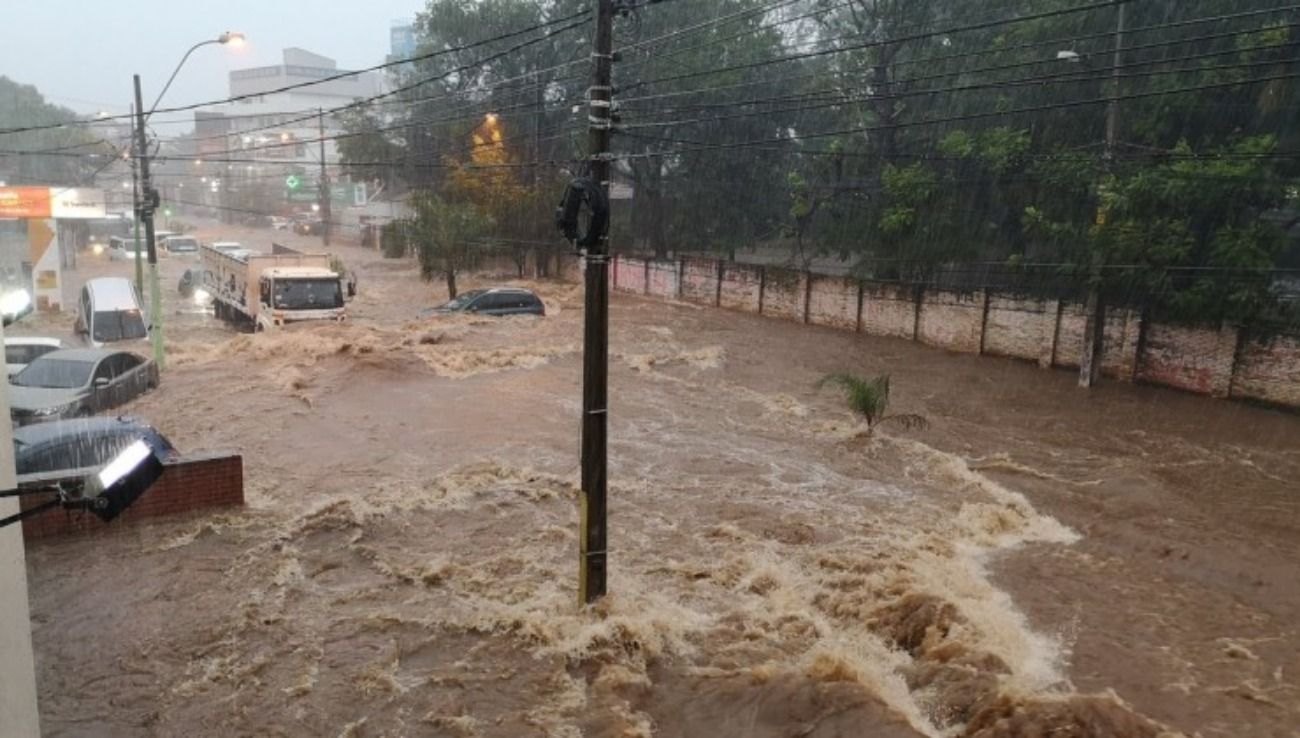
149	201
135	196
595	349
1094	328
324	190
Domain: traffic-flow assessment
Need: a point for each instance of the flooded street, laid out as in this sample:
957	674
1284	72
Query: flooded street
1039	561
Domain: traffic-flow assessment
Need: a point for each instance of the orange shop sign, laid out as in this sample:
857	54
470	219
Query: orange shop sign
24	202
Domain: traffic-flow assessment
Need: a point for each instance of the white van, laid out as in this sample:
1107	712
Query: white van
109	312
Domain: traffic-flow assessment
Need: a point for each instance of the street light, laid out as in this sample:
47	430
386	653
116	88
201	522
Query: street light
150	195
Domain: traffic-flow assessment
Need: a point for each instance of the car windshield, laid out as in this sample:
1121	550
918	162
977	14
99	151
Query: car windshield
182	243
55	374
462	300
307	294
118	325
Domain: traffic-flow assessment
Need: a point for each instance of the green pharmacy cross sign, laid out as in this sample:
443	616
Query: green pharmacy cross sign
293	182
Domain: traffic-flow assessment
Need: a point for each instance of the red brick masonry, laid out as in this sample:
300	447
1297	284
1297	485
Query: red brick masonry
195	482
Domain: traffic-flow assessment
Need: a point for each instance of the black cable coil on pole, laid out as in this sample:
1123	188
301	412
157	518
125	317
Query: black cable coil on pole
579	191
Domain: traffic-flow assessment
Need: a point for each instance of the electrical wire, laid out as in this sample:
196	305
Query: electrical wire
335	77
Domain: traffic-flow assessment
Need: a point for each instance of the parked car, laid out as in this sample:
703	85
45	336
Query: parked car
84	443
109	311
21	350
181	245
492	301
71	383
281	224
225	246
122	248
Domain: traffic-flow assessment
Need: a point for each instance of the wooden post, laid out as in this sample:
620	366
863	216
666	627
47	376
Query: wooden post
762	287
717	292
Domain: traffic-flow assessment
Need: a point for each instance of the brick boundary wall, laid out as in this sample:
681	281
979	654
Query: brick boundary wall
1221	361
195	482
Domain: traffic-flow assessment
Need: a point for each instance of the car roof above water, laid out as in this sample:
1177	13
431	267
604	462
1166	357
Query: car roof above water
88	355
112	293
38	433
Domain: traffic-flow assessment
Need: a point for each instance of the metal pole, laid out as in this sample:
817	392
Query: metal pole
595	355
146	214
1094	327
324	190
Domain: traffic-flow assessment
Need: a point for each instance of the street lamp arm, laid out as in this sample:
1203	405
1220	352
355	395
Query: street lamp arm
177	71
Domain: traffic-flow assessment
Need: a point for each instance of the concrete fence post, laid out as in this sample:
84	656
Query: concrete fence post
807	294
857	328
918	297
717	291
762	286
984	321
646	286
1047	359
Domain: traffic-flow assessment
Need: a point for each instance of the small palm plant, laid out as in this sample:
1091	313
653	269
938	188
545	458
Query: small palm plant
870	399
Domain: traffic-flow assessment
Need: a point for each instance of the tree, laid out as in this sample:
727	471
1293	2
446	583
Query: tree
445	234
75	152
869	398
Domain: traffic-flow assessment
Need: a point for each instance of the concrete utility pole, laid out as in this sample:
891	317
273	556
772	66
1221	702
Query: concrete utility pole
18	714
149	202
135	190
1094	328
595	354
323	192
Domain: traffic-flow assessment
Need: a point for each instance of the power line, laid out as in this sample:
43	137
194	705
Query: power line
873	44
344	75
973	116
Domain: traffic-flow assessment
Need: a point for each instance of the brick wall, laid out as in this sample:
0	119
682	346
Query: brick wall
888	310
700	280
629	274
951	320
1022	328
741	285
1195	359
663	280
1268	369
1204	360
833	301
783	293
196	482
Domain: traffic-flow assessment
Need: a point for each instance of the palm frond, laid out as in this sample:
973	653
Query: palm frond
866	397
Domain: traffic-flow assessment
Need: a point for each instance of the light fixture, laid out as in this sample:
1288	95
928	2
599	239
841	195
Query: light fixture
1069	55
105	493
234	39
198	162
15	305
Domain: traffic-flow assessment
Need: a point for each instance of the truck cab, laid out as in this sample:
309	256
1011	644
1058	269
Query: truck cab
289	294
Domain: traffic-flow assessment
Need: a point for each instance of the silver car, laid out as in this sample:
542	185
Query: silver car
75	383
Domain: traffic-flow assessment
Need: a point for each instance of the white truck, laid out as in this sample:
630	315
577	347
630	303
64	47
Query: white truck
262	291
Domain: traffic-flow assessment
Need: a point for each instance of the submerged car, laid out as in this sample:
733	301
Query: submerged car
74	383
492	301
65	445
21	350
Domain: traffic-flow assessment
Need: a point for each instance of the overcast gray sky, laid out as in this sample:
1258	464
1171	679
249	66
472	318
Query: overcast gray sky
81	55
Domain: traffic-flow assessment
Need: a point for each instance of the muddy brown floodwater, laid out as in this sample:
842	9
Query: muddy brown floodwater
1039	562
